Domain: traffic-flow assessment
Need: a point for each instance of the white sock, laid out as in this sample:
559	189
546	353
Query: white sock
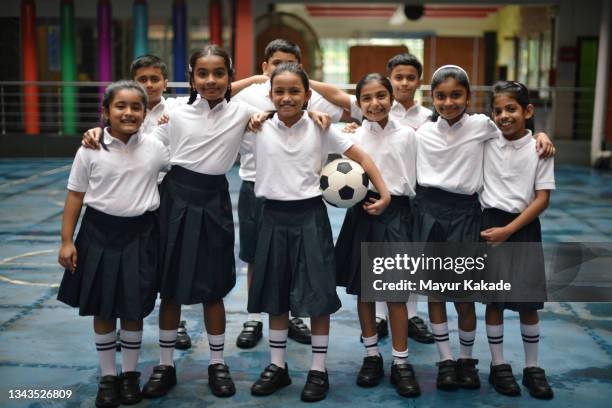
531	341
381	311
495	335
167	341
411	305
319	351
440	333
399	357
371	345
216	343
466	343
254	317
130	349
278	346
106	344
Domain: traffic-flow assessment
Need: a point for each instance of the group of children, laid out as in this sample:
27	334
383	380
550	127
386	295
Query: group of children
431	174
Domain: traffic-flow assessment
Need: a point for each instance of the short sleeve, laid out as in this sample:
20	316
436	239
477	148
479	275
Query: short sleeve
80	172
355	110
545	174
162	133
320	104
338	142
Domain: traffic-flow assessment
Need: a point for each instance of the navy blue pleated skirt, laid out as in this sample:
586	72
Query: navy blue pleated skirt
249	219
520	264
294	262
197	237
117	270
393	225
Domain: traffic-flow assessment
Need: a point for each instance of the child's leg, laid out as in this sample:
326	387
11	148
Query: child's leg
439	328
106	339
131	339
530	331
278	338
467	328
320	341
169	318
398	318
367	319
494	319
214	320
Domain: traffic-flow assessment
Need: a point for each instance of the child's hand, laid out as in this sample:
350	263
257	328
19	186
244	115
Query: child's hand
260	79
256	121
350	127
496	235
68	256
376	206
164	119
544	146
91	138
320	118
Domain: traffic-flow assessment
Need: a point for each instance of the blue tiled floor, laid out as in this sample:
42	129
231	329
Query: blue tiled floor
45	345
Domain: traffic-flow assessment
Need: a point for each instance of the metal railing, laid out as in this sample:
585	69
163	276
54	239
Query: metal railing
62	114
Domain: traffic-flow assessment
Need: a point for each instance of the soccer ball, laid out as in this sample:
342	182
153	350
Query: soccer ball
344	183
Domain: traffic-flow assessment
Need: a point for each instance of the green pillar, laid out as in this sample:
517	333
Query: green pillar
69	74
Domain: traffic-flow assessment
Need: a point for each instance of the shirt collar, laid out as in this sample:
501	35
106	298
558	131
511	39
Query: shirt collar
398	107
443	124
109	140
518	143
159	105
376	128
202	104
279	123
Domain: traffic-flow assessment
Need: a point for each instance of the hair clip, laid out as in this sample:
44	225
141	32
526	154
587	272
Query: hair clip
451	66
189	68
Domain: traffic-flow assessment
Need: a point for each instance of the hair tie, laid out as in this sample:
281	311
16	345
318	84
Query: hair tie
451	66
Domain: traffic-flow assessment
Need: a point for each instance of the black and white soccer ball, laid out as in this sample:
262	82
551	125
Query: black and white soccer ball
344	183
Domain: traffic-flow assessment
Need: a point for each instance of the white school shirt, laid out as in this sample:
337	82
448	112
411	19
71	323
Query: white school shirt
394	150
123	180
450	157
289	160
205	140
513	172
258	95
415	116
164	106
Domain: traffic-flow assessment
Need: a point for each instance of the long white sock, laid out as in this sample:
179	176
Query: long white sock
411	305
371	345
319	351
381	311
278	346
495	335
130	349
399	357
167	341
466	343
440	333
106	344
216	343
531	341
254	317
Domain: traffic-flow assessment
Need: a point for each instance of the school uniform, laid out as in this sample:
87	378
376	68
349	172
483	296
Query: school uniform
250	207
393	149
117	243
513	172
196	224
294	260
414	117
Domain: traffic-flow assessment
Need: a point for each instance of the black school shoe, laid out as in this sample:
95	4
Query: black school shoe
502	379
316	387
298	331
371	371
467	373
250	335
183	341
447	375
404	380
220	380
418	331
272	379
108	392
162	379
129	388
534	378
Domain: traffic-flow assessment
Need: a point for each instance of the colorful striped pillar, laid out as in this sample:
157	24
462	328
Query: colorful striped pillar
141	28
215	22
179	41
105	68
29	66
68	67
